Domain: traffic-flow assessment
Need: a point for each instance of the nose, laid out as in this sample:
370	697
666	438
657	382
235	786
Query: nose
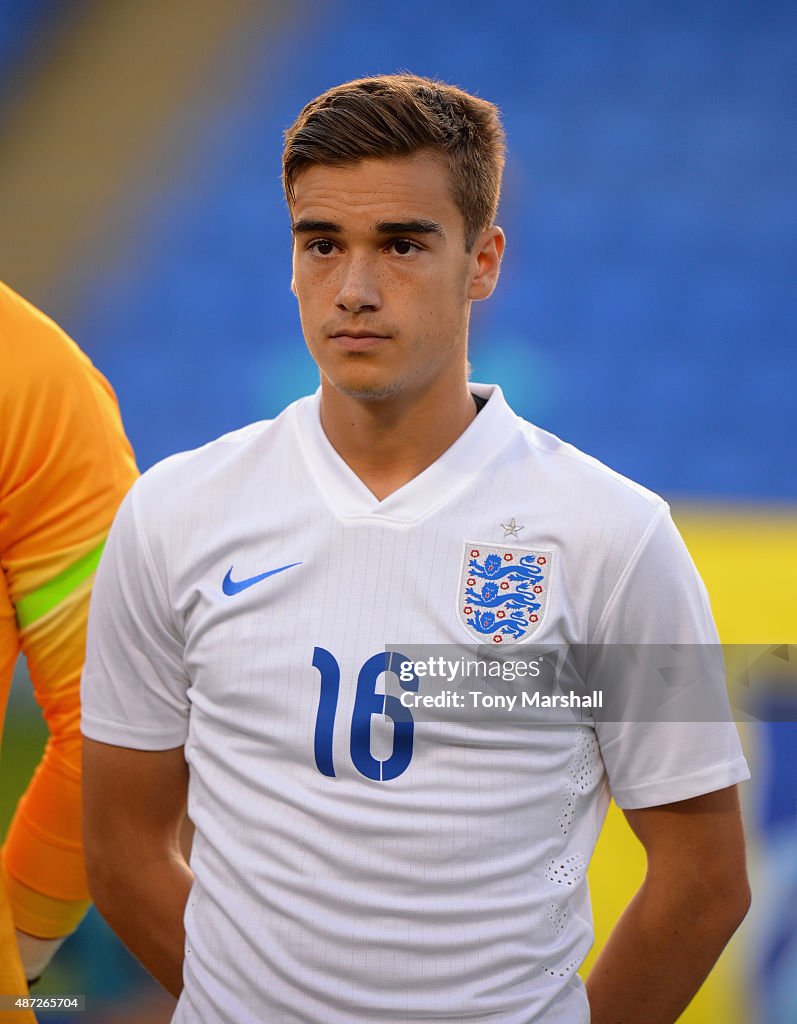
359	289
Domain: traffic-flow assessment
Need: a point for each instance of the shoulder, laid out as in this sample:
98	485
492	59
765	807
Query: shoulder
59	418
584	473
557	471
599	509
49	384
611	535
33	347
629	557
223	453
198	483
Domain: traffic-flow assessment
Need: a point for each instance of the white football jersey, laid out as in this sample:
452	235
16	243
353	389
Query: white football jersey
352	867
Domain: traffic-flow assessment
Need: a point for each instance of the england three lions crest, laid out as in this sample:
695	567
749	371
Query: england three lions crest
503	592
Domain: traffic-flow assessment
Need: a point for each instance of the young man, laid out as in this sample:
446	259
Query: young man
65	464
351	865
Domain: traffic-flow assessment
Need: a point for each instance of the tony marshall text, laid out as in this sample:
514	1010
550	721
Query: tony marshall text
508	702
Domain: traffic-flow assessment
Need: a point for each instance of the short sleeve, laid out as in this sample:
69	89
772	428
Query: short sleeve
665	748
135	688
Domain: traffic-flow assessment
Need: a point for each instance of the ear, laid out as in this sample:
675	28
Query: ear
293	286
486	263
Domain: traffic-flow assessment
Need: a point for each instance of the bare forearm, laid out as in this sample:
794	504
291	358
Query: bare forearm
659	954
145	907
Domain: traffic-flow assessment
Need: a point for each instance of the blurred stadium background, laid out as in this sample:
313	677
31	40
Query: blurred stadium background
646	312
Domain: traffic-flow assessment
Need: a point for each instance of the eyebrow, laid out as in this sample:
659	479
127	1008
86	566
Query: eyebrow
409	227
385	227
323	227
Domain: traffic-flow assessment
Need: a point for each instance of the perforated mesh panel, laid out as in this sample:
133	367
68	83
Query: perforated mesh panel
561	971
568	810
566	870
586	765
585	768
557	916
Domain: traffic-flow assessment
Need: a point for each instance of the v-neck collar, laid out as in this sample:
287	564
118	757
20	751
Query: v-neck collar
349	498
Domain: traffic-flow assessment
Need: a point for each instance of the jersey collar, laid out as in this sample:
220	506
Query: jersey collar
349	498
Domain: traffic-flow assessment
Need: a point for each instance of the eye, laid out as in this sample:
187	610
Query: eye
321	247
403	246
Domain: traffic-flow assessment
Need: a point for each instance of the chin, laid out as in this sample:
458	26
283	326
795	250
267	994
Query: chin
366	387
368	391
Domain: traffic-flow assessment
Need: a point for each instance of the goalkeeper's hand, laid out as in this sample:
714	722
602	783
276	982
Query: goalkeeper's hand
36	954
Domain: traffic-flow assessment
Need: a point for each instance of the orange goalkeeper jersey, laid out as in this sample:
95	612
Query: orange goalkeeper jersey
65	465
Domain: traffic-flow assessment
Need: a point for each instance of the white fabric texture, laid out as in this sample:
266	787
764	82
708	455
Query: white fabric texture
455	890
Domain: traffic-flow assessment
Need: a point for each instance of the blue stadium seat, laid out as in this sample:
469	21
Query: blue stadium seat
651	218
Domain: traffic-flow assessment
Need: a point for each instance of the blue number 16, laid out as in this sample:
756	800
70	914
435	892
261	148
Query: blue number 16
367	703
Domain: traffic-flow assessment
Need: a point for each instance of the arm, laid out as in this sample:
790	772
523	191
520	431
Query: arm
133	808
65	465
694	896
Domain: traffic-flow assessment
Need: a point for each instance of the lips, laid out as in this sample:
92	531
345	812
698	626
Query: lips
357	341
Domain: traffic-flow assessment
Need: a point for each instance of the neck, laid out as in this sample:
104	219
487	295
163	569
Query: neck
390	441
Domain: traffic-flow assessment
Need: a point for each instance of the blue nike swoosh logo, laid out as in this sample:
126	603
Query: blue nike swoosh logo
231	586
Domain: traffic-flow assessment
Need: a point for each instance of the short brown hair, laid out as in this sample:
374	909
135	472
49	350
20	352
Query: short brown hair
398	115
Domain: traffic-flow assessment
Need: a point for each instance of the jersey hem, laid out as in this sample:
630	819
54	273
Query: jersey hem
682	787
134	737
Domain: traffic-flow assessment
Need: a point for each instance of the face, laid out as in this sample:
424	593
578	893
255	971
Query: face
382	276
